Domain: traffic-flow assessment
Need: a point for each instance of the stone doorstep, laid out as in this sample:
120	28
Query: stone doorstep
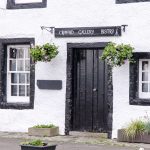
89	134
71	135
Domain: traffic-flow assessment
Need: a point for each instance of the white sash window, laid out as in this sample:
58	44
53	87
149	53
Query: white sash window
18	73
144	78
27	1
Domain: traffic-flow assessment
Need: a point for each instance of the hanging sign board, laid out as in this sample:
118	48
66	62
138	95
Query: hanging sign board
88	31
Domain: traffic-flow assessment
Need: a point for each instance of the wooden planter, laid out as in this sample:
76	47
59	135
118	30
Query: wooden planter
29	147
142	138
43	131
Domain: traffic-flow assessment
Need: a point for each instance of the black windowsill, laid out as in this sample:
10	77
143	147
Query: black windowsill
12	5
5	105
142	102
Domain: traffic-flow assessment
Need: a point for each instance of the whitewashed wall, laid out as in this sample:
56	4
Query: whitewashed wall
50	105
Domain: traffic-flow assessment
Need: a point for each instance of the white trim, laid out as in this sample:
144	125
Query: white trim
27	1
10	98
142	94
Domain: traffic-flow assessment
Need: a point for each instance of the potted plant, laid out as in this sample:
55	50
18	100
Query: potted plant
37	145
43	130
44	53
116	55
137	131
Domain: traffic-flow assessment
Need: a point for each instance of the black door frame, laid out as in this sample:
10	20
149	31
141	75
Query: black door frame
108	85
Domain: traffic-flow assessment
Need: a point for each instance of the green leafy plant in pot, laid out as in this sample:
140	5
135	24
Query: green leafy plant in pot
44	130
136	127
37	145
116	55
44	53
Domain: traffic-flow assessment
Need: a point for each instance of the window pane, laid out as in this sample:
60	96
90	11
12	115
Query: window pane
21	77
27	53
27	65
28	90
144	76
20	65
144	65
21	90
144	87
13	90
20	53
28	78
12	65
14	78
12	53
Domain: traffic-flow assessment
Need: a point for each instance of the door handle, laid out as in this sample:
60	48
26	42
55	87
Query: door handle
94	90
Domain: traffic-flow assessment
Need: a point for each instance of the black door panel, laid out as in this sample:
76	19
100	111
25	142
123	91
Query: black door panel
89	113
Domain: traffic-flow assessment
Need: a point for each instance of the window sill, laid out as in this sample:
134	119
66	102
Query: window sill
19	106
141	102
12	5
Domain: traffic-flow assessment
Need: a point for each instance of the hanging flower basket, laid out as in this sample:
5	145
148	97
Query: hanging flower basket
44	53
117	55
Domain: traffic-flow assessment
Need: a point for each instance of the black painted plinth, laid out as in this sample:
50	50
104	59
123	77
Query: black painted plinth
49	84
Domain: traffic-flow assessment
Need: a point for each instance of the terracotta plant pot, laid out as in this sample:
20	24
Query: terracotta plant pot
43	131
140	138
29	147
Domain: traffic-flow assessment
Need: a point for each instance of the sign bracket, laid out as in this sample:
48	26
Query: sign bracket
86	31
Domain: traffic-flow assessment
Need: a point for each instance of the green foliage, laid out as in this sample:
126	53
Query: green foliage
134	128
44	53
34	143
116	55
147	127
44	126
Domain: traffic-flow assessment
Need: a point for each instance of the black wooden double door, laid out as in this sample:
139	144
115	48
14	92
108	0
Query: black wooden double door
89	106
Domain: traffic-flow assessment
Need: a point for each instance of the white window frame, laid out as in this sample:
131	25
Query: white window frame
15	99
27	1
144	95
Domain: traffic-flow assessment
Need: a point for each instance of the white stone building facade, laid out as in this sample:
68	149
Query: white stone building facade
20	24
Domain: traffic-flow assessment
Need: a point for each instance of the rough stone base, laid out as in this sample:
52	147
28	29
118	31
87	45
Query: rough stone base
89	134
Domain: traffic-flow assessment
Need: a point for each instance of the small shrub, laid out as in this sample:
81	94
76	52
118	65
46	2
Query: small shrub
147	127
116	55
134	128
44	53
44	126
34	143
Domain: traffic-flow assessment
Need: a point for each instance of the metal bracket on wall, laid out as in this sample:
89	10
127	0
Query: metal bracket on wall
49	29
124	27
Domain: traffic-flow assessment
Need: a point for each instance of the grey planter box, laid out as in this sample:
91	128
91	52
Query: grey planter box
29	147
43	131
144	138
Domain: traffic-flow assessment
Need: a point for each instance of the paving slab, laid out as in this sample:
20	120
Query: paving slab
12	140
13	144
